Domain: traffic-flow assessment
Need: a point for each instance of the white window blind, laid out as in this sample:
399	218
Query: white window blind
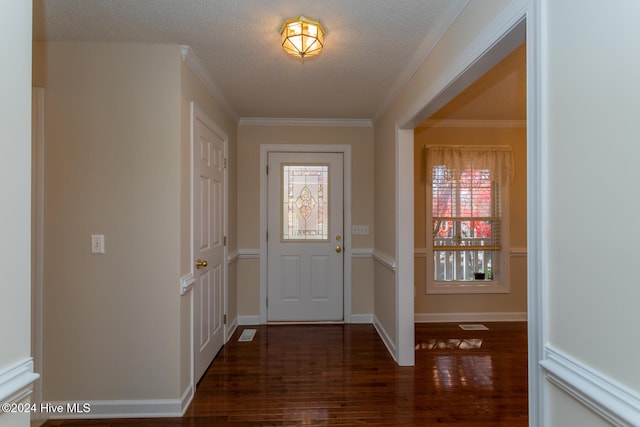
466	209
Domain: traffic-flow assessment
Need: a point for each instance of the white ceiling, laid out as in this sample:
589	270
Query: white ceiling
372	47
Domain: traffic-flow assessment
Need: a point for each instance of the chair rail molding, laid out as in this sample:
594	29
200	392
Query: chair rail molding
362	253
384	259
186	283
612	401
249	253
266	121
16	381
471	317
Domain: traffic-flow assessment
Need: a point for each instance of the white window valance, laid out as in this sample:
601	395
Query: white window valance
496	158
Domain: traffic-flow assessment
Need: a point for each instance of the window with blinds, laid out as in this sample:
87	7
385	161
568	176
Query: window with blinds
466	210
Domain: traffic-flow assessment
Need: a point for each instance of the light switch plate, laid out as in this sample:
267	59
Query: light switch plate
97	244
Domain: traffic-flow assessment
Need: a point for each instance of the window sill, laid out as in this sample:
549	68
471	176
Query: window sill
468	287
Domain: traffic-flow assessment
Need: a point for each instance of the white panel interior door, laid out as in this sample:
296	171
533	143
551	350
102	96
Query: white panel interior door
305	237
209	246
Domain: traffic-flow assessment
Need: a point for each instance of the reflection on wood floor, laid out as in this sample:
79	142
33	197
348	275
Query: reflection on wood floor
342	375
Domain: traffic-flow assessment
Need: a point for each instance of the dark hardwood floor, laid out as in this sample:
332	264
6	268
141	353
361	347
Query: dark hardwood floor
343	376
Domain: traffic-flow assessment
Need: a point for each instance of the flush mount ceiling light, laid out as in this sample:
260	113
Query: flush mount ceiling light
302	36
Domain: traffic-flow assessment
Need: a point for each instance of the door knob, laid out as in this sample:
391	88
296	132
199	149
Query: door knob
338	249
201	263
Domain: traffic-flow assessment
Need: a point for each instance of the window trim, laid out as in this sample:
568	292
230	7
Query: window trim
500	285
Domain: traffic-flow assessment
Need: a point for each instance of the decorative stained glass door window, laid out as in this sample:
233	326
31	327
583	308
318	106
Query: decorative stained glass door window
305	202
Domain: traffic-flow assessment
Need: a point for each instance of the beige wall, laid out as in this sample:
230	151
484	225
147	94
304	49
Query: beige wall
118	159
590	111
112	322
516	300
15	192
249	140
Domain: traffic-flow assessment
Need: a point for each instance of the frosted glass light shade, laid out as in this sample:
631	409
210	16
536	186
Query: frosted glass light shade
302	36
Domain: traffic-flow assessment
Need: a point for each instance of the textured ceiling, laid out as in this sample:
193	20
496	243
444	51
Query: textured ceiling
372	46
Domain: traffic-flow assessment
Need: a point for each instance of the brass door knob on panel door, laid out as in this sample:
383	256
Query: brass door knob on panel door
338	249
201	263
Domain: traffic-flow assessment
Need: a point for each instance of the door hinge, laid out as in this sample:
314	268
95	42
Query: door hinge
225	319
224	241
267	169
225	163
267	236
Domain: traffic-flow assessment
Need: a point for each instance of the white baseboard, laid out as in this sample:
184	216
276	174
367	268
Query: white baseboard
362	318
611	400
469	317
248	320
16	381
159	408
232	328
255	320
186	398
391	347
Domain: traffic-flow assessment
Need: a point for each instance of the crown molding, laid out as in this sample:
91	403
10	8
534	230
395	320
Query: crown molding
201	72
435	123
267	121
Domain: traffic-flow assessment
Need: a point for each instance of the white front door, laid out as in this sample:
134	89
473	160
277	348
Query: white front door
209	250
305	237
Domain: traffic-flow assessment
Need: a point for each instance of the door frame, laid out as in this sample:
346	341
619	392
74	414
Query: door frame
37	240
265	149
188	281
518	15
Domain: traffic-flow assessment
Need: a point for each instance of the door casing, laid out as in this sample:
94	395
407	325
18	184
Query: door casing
305	148
300	255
